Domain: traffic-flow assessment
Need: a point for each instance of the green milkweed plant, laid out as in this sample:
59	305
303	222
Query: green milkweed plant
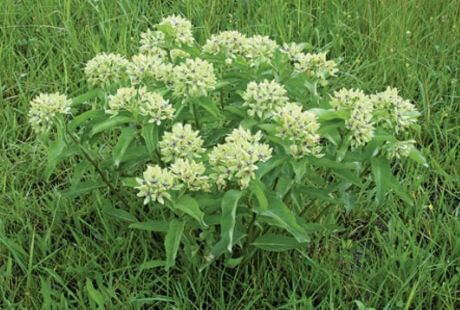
223	147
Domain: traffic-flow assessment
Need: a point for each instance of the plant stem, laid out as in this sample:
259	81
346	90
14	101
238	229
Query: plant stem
98	169
195	115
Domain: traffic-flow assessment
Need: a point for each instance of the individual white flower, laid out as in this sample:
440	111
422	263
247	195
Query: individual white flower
316	66
259	48
237	158
399	149
230	43
191	174
181	142
292	50
105	69
154	106
156	184
149	66
44	108
181	29
152	43
124	99
193	78
399	114
300	128
264	98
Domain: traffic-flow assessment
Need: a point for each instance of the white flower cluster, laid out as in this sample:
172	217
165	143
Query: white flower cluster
316	66
181	29
181	142
149	104
191	174
237	158
360	123
151	43
149	66
264	98
156	184
105	69
193	78
400	113
259	48
230	43
292	50
399	149
300	129
44	108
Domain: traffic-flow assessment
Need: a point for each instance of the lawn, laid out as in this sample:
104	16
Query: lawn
59	253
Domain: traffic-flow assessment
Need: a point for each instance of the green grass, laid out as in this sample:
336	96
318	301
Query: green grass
56	253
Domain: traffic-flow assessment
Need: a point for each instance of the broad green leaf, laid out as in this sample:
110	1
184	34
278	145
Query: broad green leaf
328	115
270	164
55	152
87	96
82	118
152	264
156	226
190	206
316	193
276	243
256	187
126	137
110	123
220	247
349	176
94	295
119	214
417	156
283	217
172	242
209	105
327	163
382	177
83	188
228	220
150	134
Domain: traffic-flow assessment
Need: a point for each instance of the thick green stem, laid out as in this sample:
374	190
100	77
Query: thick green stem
195	115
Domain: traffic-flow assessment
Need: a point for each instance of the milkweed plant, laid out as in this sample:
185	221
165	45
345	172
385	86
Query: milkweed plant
222	148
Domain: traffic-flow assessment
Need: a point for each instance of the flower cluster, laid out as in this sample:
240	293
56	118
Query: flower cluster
181	142
237	158
193	78
300	128
105	69
399	149
191	174
156	184
264	98
181	29
154	106
149	104
230	43
400	114
149	66
316	66
44	108
292	50
259	48
151	43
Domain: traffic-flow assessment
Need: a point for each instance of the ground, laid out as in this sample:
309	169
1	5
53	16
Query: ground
56	253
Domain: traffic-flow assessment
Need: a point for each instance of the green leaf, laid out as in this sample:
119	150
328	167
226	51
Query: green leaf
110	123
349	176
270	164
209	105
256	187
228	220
172	242
156	226
283	217
126	137
82	118
276	243
55	151
87	96
150	134
417	156
93	294
119	214
152	264
83	188
381	171
190	206
328	115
